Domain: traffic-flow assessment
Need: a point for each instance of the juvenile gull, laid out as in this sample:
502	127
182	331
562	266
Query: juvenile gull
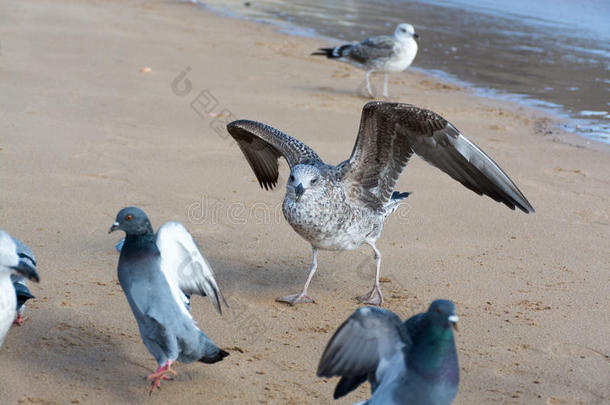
378	54
410	363
21	289
343	207
10	263
158	273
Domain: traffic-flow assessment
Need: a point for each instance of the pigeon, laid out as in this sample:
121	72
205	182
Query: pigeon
158	273
343	207
21	288
378	54
410	363
11	263
23	294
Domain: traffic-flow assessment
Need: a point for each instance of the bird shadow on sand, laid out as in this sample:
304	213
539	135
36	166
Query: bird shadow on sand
286	275
81	353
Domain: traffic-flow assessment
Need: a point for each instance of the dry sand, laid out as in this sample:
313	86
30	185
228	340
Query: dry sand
86	132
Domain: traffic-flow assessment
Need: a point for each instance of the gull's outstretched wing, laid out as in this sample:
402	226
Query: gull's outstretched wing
369	336
263	145
184	266
391	132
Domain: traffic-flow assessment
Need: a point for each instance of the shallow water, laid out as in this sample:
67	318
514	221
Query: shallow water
553	54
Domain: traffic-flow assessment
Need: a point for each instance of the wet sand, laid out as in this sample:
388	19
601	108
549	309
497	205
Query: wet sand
87	130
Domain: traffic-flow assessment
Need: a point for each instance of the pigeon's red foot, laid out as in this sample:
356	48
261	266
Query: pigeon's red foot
18	321
161	374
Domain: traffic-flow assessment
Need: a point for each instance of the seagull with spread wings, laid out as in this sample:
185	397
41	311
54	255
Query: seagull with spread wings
343	207
158	273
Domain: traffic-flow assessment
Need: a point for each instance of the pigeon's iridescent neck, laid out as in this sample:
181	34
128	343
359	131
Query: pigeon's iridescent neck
139	241
433	350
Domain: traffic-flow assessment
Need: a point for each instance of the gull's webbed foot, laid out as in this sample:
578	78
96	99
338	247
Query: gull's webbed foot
295	299
374	297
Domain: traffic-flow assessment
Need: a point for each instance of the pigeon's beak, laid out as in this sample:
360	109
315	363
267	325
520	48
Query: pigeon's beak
114	227
416	35
26	270
299	190
453	320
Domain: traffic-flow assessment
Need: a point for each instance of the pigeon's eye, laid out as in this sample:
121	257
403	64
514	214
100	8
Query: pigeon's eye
314	181
437	310
129	217
291	178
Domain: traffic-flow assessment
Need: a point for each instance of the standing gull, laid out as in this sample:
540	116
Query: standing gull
10	263
158	273
410	363
343	207
378	54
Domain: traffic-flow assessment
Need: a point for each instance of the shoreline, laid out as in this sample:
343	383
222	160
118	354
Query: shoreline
563	121
107	104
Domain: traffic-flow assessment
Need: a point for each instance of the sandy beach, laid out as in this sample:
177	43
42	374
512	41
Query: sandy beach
105	104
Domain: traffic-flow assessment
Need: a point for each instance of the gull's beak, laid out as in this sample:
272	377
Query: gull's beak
26	270
453	320
114	227
416	35
299	190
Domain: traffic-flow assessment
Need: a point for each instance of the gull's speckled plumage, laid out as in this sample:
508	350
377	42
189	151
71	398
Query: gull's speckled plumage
343	207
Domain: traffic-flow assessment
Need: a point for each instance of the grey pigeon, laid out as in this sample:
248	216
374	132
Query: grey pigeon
378	54
343	207
411	363
21	289
157	273
11	263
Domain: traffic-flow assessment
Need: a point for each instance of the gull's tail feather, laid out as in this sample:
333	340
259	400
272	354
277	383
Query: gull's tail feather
397	195
395	201
333	53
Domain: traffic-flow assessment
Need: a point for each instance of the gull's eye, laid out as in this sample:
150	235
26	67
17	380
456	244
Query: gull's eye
314	181
129	217
291	178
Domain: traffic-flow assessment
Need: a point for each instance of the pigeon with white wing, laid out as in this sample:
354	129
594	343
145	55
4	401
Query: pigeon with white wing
158	273
11	263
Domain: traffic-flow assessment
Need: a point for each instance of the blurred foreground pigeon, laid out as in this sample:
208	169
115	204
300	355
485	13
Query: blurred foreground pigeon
344	207
158	273
410	363
11	263
378	54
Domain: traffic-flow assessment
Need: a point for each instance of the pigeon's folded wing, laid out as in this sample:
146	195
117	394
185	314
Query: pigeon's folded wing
24	252
366	338
184	266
